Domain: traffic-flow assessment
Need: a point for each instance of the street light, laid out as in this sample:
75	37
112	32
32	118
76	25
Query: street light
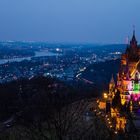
105	96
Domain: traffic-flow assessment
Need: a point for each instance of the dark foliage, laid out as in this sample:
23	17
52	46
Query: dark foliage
116	102
101	73
43	106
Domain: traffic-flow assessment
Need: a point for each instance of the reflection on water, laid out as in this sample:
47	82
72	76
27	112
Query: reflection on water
37	54
3	61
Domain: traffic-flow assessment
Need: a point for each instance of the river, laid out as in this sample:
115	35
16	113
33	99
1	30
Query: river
37	54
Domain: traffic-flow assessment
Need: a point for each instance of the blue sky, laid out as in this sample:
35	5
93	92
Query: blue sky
91	21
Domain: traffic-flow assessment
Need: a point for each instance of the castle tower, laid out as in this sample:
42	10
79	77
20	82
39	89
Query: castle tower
133	46
133	42
111	85
129	74
123	60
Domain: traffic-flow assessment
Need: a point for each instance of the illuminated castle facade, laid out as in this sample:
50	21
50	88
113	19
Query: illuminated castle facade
128	77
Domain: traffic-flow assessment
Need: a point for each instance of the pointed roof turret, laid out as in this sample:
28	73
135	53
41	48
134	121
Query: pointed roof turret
133	40
112	81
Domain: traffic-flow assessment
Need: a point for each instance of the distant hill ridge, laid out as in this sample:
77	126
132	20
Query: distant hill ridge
100	73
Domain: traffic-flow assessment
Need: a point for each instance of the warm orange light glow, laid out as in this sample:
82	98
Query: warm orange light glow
120	123
102	105
105	95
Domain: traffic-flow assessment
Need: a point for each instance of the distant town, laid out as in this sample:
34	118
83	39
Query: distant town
63	61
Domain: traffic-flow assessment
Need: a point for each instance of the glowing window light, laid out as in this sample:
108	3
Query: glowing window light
136	87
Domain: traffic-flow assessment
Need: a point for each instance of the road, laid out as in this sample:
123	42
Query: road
83	79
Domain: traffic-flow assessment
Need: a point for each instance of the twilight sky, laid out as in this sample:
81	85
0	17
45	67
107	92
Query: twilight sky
91	21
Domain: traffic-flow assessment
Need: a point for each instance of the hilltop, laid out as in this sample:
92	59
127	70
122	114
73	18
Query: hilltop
100	73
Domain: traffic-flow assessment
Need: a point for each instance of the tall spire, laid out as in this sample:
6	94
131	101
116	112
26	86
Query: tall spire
133	40
133	30
112	80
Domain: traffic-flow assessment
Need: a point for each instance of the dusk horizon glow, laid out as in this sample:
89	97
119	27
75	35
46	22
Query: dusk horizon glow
70	21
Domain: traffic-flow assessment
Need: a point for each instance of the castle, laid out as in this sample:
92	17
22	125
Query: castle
128	77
